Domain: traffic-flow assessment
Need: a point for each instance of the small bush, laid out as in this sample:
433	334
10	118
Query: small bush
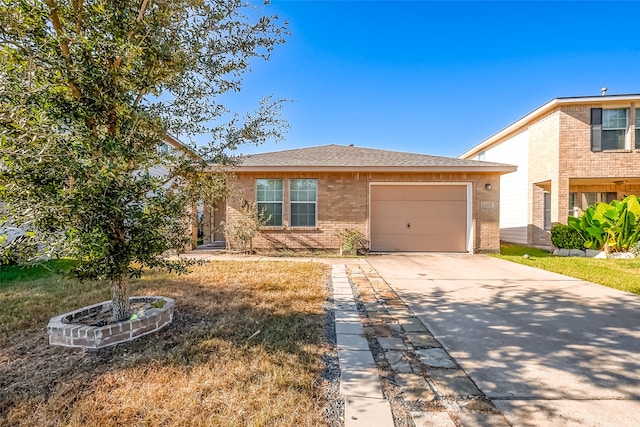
353	241
239	230
565	237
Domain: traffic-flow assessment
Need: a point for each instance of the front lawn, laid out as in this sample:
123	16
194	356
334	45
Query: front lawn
622	274
244	348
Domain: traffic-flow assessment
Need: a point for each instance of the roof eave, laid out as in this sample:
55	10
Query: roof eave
385	169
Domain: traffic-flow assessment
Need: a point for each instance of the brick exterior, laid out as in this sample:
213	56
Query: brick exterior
343	202
560	159
64	332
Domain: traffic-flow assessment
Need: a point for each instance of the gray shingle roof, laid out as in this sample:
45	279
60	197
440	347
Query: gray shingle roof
341	156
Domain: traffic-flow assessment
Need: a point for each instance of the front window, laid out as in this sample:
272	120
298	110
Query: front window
614	128
303	195
638	128
269	197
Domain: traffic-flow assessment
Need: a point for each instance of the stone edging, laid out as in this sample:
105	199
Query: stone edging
64	333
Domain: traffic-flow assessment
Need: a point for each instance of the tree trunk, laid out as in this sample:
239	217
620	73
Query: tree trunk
120	298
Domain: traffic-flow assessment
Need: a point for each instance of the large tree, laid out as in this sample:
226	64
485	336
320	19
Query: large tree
89	90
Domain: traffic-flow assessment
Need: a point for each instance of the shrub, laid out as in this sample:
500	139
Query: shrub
614	225
565	237
239	230
353	241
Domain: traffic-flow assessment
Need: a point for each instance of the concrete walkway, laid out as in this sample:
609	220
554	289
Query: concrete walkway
545	349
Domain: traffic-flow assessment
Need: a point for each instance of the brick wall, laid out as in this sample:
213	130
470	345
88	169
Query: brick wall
544	170
576	157
343	203
560	151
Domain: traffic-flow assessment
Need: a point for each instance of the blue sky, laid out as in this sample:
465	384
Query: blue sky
437	77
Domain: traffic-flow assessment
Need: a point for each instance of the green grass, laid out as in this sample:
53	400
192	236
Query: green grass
49	269
622	274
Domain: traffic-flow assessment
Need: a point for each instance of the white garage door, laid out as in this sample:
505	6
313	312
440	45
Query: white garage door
430	218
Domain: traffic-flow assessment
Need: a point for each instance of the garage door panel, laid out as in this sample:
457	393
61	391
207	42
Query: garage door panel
418	209
420	192
435	226
422	243
437	215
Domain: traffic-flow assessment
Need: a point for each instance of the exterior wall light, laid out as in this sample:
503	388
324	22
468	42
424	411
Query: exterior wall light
488	186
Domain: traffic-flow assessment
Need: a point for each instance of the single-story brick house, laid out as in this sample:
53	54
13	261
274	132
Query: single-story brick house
399	201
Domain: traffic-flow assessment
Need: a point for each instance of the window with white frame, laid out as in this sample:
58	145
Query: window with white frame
614	129
608	129
270	199
303	194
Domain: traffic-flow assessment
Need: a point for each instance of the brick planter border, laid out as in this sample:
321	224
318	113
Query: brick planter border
64	332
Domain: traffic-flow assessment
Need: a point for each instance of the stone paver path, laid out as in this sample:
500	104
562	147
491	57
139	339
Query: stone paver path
425	384
365	404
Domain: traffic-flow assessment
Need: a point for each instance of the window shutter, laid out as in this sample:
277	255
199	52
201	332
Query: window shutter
596	129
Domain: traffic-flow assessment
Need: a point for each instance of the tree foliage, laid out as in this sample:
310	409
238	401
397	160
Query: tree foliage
89	90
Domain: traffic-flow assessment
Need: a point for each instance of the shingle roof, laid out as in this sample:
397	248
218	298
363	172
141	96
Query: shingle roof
351	157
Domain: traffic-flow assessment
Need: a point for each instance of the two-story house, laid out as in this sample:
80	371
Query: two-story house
570	154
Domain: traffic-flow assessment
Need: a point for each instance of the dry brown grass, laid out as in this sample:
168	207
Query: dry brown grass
211	366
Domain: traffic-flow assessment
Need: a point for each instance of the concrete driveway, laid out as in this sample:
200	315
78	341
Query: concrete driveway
547	349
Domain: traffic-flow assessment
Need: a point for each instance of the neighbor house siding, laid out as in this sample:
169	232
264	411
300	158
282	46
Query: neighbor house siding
513	186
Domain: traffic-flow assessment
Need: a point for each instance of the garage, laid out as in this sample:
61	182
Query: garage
419	217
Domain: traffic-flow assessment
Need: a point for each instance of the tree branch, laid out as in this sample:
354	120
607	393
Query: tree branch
64	46
143	8
78	8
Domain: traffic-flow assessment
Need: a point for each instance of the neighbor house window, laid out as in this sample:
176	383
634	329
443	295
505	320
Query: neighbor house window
590	199
638	128
614	129
608	129
482	155
572	204
547	211
303	194
269	198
